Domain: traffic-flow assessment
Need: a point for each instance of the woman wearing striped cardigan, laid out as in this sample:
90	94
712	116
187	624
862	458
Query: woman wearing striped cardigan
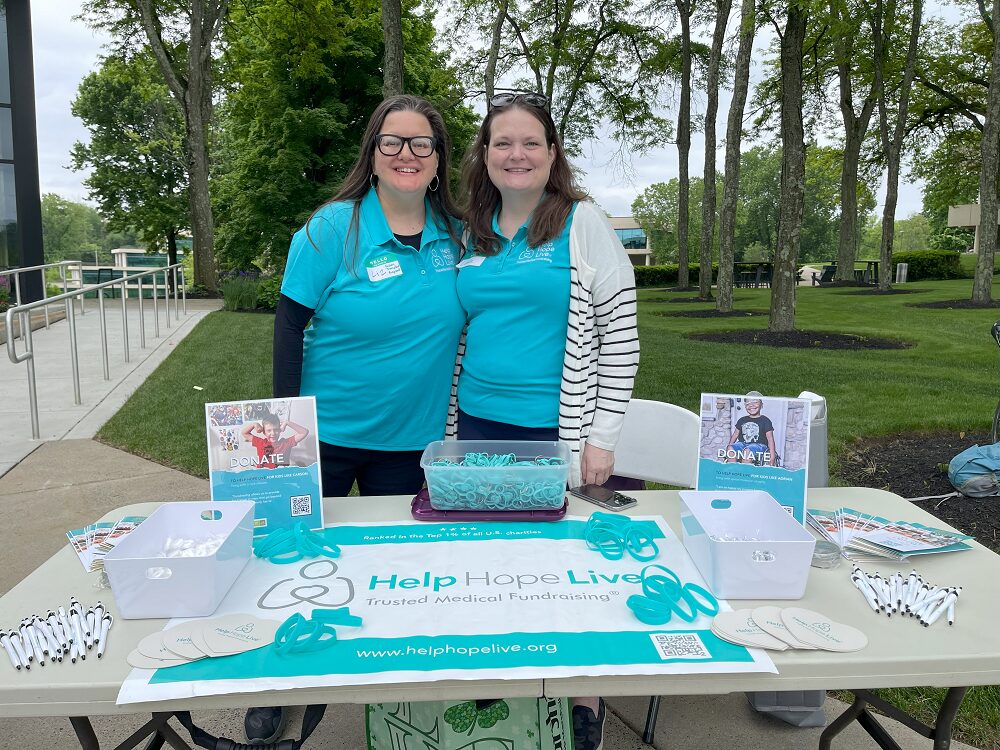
551	347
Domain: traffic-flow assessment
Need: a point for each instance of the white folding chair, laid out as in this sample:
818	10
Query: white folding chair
658	443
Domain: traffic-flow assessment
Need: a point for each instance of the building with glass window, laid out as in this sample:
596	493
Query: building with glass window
20	204
634	239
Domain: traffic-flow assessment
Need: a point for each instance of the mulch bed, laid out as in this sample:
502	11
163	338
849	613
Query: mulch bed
712	314
915	465
956	304
802	340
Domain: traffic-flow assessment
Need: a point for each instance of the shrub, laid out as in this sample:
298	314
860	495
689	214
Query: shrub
4	293
928	264
666	275
268	291
239	290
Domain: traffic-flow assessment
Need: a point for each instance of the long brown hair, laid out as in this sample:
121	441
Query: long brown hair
359	179
548	219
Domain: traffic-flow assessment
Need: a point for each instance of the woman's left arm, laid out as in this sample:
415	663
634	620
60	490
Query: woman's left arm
614	308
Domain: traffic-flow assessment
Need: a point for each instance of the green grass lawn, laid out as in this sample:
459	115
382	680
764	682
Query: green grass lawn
946	379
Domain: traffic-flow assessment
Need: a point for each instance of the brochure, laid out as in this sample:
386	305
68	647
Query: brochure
95	540
267	451
868	538
756	443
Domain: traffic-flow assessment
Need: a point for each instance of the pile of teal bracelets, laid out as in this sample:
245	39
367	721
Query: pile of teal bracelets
284	546
297	635
664	596
613	535
485	481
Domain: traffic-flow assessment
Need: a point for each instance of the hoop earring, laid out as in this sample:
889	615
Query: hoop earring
373	180
436	182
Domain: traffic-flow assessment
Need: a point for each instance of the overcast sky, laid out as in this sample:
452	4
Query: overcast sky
66	50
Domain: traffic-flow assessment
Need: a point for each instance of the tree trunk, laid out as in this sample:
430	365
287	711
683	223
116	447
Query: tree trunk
490	72
685	8
793	173
855	128
722	8
392	34
734	137
193	91
982	283
893	147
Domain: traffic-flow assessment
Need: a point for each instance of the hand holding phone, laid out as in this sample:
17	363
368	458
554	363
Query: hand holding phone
605	498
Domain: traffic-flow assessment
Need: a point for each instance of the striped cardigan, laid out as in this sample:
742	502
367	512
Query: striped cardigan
602	343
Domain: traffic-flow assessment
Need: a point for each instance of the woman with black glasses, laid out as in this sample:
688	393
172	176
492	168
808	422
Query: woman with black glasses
374	271
551	348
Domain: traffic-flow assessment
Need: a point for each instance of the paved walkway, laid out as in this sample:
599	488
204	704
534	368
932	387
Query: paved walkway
68	480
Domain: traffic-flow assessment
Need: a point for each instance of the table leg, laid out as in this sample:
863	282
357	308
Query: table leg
156	729
940	733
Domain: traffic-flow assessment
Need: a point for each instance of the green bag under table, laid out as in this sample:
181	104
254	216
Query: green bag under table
510	724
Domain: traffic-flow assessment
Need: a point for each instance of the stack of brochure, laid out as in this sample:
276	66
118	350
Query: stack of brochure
863	537
94	541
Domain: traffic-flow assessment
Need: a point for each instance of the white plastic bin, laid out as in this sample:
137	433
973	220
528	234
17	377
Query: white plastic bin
746	545
148	580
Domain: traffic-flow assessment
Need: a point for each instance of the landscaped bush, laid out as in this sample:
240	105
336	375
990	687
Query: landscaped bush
666	275
929	264
4	293
239	290
268	291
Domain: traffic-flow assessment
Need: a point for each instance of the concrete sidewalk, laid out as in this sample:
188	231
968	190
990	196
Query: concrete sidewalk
59	416
68	481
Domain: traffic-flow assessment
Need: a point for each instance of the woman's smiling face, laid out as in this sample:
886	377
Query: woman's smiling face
518	159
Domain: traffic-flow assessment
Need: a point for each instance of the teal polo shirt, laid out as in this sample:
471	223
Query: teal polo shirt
517	303
380	352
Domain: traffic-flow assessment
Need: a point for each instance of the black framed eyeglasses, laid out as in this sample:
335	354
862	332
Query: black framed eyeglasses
420	145
510	97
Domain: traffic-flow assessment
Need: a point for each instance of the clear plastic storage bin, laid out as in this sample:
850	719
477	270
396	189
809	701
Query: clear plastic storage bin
182	560
746	545
528	486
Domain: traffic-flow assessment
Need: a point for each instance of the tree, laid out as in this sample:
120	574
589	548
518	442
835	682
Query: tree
722	9
845	32
685	9
392	34
982	282
301	83
180	35
892	145
136	154
600	62
655	210
783	280
70	230
734	137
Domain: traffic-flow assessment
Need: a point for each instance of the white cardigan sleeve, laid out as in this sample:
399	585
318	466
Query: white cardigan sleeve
612	293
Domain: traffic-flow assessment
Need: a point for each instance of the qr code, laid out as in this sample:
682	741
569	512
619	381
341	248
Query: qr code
302	505
680	646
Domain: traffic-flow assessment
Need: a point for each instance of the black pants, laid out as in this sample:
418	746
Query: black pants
376	472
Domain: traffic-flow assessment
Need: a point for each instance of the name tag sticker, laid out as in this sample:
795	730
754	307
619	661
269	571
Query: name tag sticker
475	260
383	267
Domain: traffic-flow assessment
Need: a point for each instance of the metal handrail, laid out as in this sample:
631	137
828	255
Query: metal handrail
62	265
67	298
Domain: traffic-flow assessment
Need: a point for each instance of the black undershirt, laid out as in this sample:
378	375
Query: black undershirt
290	321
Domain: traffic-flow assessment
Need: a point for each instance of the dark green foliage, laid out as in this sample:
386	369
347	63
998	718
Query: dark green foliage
268	291
929	264
239	291
666	275
301	80
135	152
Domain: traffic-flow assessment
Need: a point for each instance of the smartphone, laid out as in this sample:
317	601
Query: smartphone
602	496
